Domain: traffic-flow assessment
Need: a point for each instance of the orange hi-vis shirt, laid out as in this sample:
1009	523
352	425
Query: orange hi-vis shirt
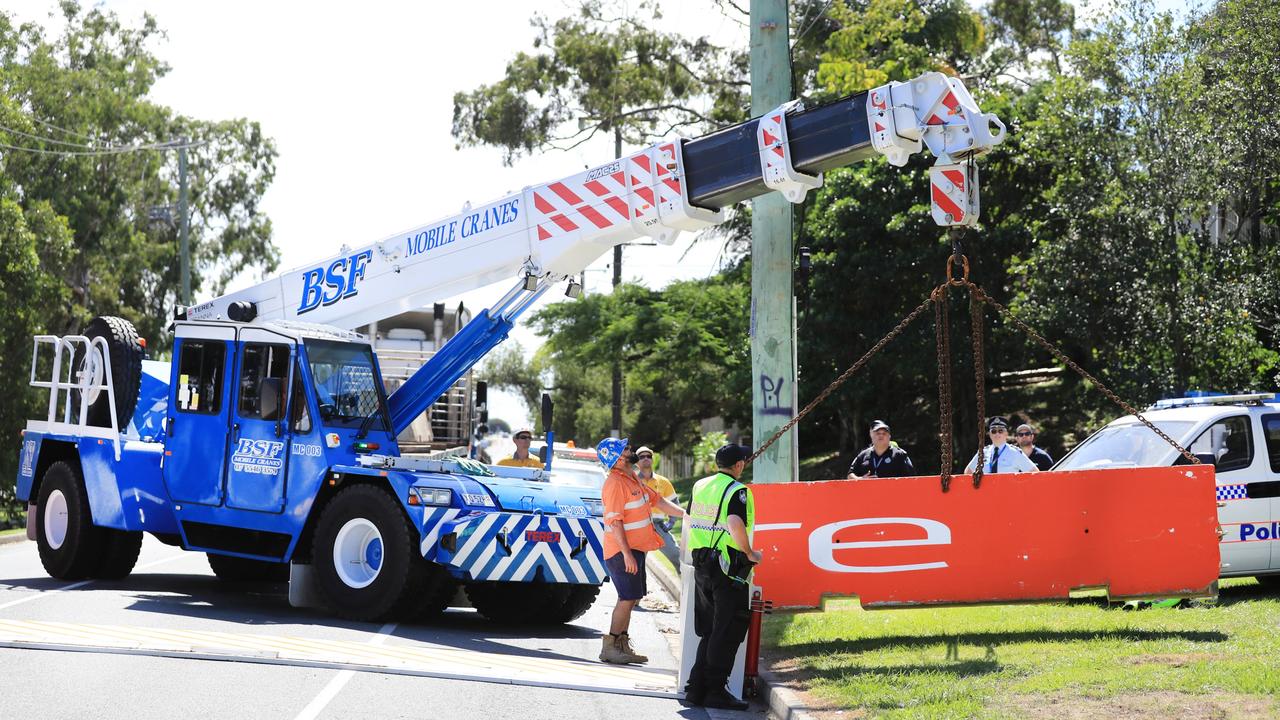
628	501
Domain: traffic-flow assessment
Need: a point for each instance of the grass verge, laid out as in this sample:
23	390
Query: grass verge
1077	659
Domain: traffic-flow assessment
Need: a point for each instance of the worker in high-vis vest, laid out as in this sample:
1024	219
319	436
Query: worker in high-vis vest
629	534
720	519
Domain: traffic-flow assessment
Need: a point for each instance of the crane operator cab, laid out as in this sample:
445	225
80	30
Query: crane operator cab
290	398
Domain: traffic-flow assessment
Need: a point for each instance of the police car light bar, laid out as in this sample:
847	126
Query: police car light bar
1245	399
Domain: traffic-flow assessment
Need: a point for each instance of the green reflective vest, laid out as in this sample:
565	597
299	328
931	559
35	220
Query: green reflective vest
708	514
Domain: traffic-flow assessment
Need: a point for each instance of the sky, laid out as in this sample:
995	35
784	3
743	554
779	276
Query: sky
360	102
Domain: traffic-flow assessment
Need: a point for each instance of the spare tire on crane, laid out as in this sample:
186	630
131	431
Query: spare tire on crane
126	351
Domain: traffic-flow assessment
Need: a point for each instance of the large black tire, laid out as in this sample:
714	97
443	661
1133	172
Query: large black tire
126	371
579	601
1270	582
514	603
120	550
237	569
70	545
366	556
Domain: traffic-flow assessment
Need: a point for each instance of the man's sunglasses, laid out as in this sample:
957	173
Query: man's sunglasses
523	437
1026	434
646	455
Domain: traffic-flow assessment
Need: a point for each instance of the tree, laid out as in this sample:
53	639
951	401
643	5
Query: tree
84	163
71	104
598	72
683	351
1127	264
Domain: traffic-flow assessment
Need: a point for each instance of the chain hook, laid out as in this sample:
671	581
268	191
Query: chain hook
951	261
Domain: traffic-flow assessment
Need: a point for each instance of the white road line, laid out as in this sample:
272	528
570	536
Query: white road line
50	593
330	691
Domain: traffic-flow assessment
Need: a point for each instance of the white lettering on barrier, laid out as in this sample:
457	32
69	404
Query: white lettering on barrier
822	543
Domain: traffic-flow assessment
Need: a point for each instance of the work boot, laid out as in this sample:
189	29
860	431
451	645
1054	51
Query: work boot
624	644
610	652
695	694
720	698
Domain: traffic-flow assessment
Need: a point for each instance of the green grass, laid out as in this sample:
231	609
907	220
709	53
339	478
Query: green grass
14	531
1056	660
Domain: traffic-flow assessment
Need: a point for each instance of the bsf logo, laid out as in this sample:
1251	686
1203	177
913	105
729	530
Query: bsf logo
324	286
258	457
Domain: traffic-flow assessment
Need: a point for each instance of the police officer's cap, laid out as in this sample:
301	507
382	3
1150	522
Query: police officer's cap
729	455
997	422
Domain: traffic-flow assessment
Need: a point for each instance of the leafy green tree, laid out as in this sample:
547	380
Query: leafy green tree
82	166
74	104
683	351
1127	265
599	71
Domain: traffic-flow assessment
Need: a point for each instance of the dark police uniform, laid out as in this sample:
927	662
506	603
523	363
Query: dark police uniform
894	463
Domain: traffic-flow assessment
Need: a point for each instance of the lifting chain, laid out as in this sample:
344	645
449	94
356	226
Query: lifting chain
977	297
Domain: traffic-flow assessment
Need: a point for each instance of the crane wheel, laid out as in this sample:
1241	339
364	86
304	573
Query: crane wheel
70	546
366	556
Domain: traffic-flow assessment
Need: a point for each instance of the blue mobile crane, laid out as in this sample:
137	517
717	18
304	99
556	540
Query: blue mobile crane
269	442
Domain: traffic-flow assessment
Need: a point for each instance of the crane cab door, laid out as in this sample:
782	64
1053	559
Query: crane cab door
198	417
258	447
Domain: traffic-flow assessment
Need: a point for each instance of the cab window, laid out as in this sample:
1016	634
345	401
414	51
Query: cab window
263	371
1271	429
1230	441
301	415
200	366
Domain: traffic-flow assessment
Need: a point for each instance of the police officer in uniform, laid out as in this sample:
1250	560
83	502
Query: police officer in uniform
882	459
721	516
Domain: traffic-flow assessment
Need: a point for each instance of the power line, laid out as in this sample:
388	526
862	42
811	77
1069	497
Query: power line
42	138
104	151
51	126
812	22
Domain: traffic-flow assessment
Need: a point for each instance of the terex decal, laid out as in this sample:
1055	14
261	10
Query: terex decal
546	536
324	286
258	457
1034	536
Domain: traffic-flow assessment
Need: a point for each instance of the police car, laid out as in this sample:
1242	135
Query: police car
1240	436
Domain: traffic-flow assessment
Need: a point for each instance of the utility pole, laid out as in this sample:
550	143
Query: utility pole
773	326
617	280
184	248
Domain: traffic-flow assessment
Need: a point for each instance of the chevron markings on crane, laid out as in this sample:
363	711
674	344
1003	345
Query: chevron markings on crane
416	659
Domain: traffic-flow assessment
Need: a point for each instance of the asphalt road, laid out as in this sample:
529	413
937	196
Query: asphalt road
172	591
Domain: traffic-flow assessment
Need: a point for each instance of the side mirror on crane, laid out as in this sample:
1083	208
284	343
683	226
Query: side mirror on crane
269	396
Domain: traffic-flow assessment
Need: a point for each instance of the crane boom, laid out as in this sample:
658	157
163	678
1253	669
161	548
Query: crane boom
557	229
547	233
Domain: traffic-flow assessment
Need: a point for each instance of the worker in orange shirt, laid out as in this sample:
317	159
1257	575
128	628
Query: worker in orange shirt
629	534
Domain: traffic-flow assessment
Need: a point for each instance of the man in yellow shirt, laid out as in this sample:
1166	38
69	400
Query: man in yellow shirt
522	458
661	522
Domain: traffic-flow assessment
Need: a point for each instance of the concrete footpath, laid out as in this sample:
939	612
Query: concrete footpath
782	703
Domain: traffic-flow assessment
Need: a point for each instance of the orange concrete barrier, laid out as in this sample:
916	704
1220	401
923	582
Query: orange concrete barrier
1019	537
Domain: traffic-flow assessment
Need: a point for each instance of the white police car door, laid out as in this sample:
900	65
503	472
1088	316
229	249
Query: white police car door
1246	547
1271	487
258	452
